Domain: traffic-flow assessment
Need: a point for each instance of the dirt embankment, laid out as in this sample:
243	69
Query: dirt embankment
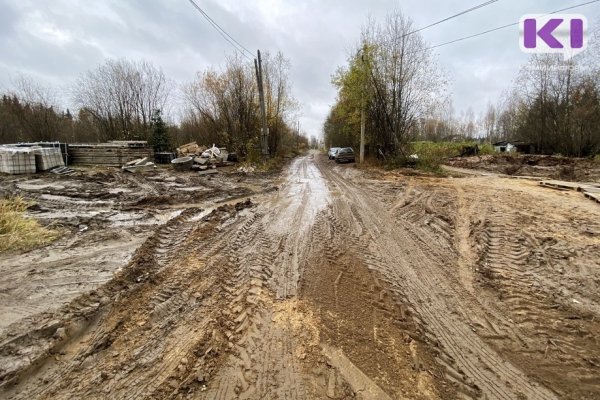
548	167
340	284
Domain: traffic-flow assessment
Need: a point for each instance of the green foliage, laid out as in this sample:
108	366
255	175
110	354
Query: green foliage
342	127
271	164
432	154
29	121
160	134
597	158
253	152
392	83
486	149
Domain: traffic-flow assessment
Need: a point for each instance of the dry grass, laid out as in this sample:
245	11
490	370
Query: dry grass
19	232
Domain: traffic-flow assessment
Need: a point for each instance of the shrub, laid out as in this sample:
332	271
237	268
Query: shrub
432	154
17	231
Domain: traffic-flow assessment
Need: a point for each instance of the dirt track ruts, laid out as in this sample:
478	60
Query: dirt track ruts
336	286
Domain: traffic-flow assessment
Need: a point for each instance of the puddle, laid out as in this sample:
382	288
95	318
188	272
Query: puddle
64	214
192	189
306	193
140	218
119	190
163	218
201	215
76	202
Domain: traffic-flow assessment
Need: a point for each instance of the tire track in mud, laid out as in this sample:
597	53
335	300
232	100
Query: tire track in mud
362	319
178	267
250	268
264	362
160	307
411	265
529	293
448	238
211	306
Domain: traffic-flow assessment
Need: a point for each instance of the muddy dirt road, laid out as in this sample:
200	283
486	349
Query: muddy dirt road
342	283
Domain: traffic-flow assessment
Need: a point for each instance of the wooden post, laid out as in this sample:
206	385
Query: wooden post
362	110
264	137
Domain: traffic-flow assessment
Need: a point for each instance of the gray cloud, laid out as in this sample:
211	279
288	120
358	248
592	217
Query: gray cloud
57	41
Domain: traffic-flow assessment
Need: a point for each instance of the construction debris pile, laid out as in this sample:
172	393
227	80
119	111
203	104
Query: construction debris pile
202	159
142	164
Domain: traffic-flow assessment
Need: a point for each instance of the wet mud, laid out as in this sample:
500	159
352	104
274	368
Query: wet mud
324	281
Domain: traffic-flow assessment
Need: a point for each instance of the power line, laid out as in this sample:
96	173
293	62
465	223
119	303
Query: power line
237	45
487	3
507	25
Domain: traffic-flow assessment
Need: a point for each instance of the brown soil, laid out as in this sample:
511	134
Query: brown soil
341	283
550	167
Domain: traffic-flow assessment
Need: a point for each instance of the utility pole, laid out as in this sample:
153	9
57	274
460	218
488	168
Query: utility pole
298	137
362	111
264	136
362	130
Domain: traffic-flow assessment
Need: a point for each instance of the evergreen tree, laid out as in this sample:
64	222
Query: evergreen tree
160	135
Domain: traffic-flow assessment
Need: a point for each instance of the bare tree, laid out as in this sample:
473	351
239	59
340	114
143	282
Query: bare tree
34	106
489	122
278	98
558	104
121	95
223	106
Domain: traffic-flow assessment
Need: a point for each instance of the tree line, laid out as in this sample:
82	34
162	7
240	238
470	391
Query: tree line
127	100
554	104
393	81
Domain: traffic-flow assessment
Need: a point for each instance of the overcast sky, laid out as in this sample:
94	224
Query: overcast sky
55	41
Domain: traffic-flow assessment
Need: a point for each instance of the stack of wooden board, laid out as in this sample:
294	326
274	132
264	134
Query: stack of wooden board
113	154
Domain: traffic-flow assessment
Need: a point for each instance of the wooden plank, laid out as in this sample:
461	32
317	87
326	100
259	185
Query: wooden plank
563	185
117	162
110	151
552	186
145	153
592	196
105	159
208	172
114	156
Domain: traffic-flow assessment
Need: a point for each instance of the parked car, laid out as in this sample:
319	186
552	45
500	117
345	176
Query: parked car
331	152
345	154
